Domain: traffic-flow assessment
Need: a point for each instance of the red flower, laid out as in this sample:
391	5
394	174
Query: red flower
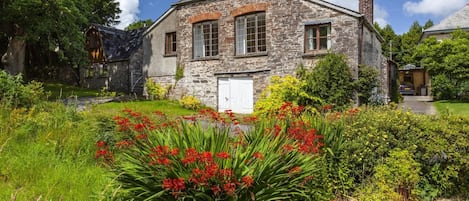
167	184
100	144
164	161
191	156
295	170
229	188
174	152
141	136
178	184
288	147
139	127
216	190
101	152
223	155
206	157
226	173
247	180
161	150
211	170
327	107
124	144
158	113
258	155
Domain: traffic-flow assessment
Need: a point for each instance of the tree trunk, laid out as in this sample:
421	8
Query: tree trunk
14	57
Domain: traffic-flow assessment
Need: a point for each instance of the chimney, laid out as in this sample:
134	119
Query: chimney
366	8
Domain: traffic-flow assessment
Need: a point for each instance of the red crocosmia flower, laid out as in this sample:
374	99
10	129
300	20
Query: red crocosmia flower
206	157
277	130
288	147
135	114
327	107
167	184
164	161
258	155
174	152
127	110
158	113
211	170
161	150
229	188
124	144
295	170
116	118
223	155
228	173
247	180
139	127
216	190
191	156
141	136
100	144
101	152
178	184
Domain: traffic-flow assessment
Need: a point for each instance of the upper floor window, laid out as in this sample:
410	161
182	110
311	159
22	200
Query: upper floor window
251	34
317	37
170	44
205	38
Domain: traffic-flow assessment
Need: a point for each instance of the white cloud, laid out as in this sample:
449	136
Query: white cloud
129	12
380	15
433	7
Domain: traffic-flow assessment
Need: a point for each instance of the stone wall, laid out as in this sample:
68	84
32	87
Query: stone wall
285	22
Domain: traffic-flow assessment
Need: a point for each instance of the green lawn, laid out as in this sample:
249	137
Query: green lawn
451	107
59	91
170	108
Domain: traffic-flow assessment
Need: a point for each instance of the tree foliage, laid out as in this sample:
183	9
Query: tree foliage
448	63
409	43
139	24
53	30
392	43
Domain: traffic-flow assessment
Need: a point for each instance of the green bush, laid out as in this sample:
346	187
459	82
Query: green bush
281	90
443	88
190	102
14	93
330	80
156	91
366	83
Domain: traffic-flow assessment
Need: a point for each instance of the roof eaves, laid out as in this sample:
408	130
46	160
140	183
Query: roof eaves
159	20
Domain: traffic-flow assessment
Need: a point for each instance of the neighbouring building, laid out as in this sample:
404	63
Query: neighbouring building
458	20
229	49
116	60
414	80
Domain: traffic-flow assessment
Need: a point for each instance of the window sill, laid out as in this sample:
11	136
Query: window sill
206	58
260	54
313	54
170	55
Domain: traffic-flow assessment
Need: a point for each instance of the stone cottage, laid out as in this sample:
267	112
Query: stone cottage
442	30
116	60
229	49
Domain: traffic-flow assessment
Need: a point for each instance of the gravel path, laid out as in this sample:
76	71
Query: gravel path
419	105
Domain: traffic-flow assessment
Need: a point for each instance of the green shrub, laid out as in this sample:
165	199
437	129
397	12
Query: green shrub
366	83
281	90
190	102
330	80
443	88
156	91
14	93
395	179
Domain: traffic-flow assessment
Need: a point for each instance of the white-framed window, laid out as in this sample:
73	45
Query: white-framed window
251	33
317	37
205	39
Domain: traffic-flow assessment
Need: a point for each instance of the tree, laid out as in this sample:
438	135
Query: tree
139	24
409	43
392	43
448	64
50	31
428	24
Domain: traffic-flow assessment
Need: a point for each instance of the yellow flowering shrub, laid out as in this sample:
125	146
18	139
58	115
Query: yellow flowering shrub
156	91
190	102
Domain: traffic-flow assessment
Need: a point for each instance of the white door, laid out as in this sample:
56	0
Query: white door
236	94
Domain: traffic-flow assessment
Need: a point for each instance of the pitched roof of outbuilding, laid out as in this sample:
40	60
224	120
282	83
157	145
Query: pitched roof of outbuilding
119	44
457	20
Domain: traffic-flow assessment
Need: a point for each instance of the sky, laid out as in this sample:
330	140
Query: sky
400	14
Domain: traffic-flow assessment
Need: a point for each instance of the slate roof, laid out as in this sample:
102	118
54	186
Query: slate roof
457	20
119	44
